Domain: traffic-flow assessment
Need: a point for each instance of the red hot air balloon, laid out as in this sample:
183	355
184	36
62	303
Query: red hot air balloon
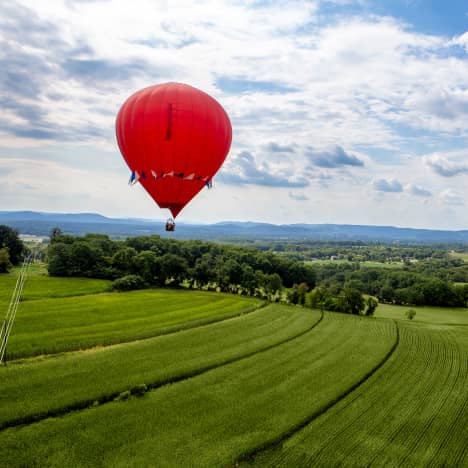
174	139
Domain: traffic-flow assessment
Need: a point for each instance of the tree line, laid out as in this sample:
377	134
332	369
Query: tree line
431	283
147	261
154	261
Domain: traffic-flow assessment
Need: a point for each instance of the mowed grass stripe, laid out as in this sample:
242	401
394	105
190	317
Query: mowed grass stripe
216	417
57	325
26	386
41	286
412	412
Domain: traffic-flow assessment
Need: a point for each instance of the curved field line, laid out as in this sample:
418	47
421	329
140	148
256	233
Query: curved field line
214	418
412	412
153	385
306	421
189	324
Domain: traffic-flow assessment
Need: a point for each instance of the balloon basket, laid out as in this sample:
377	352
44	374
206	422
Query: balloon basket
170	225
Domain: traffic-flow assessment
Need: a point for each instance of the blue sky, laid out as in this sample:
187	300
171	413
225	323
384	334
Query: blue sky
343	111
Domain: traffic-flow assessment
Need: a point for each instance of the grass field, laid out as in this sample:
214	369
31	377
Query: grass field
225	384
53	325
411	412
26	384
426	314
366	264
60	314
462	255
39	286
214	418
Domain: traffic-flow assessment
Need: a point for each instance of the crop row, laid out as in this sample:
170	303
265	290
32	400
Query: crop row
412	412
41	286
80	378
57	325
214	418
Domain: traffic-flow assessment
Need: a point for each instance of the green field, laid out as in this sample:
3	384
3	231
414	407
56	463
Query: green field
52	325
426	314
462	255
363	264
26	384
411	412
60	314
224	382
40	286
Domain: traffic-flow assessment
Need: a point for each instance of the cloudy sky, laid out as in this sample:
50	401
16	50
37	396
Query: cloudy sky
343	111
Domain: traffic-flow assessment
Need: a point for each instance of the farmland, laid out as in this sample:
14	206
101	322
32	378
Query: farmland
385	423
182	378
78	314
426	314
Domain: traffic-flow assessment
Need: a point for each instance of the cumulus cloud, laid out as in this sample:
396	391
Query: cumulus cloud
383	185
418	191
332	158
243	170
443	166
308	92
297	196
461	40
452	197
276	148
443	103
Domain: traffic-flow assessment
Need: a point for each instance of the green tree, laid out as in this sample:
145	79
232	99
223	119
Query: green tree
9	239
84	259
371	305
351	301
123	261
272	284
55	233
248	279
5	263
318	298
148	266
60	260
173	268
297	294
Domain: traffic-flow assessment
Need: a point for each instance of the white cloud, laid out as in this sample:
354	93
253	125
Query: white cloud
452	197
444	166
418	191
383	185
362	84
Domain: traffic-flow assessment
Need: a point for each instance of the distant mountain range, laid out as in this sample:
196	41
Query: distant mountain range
40	224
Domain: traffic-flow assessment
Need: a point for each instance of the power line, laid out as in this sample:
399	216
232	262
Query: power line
13	307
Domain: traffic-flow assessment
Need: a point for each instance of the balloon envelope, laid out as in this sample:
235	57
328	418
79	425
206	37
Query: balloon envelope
174	138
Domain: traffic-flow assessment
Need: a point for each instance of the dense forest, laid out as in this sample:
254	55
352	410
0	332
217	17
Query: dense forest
420	275
341	276
155	261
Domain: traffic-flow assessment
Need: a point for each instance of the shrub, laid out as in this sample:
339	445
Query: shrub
128	282
139	390
410	314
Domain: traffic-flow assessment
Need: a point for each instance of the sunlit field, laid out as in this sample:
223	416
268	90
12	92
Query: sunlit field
182	378
426	314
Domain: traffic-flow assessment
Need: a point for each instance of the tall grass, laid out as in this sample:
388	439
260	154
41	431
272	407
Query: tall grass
38	286
79	378
212	419
56	325
412	412
427	314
